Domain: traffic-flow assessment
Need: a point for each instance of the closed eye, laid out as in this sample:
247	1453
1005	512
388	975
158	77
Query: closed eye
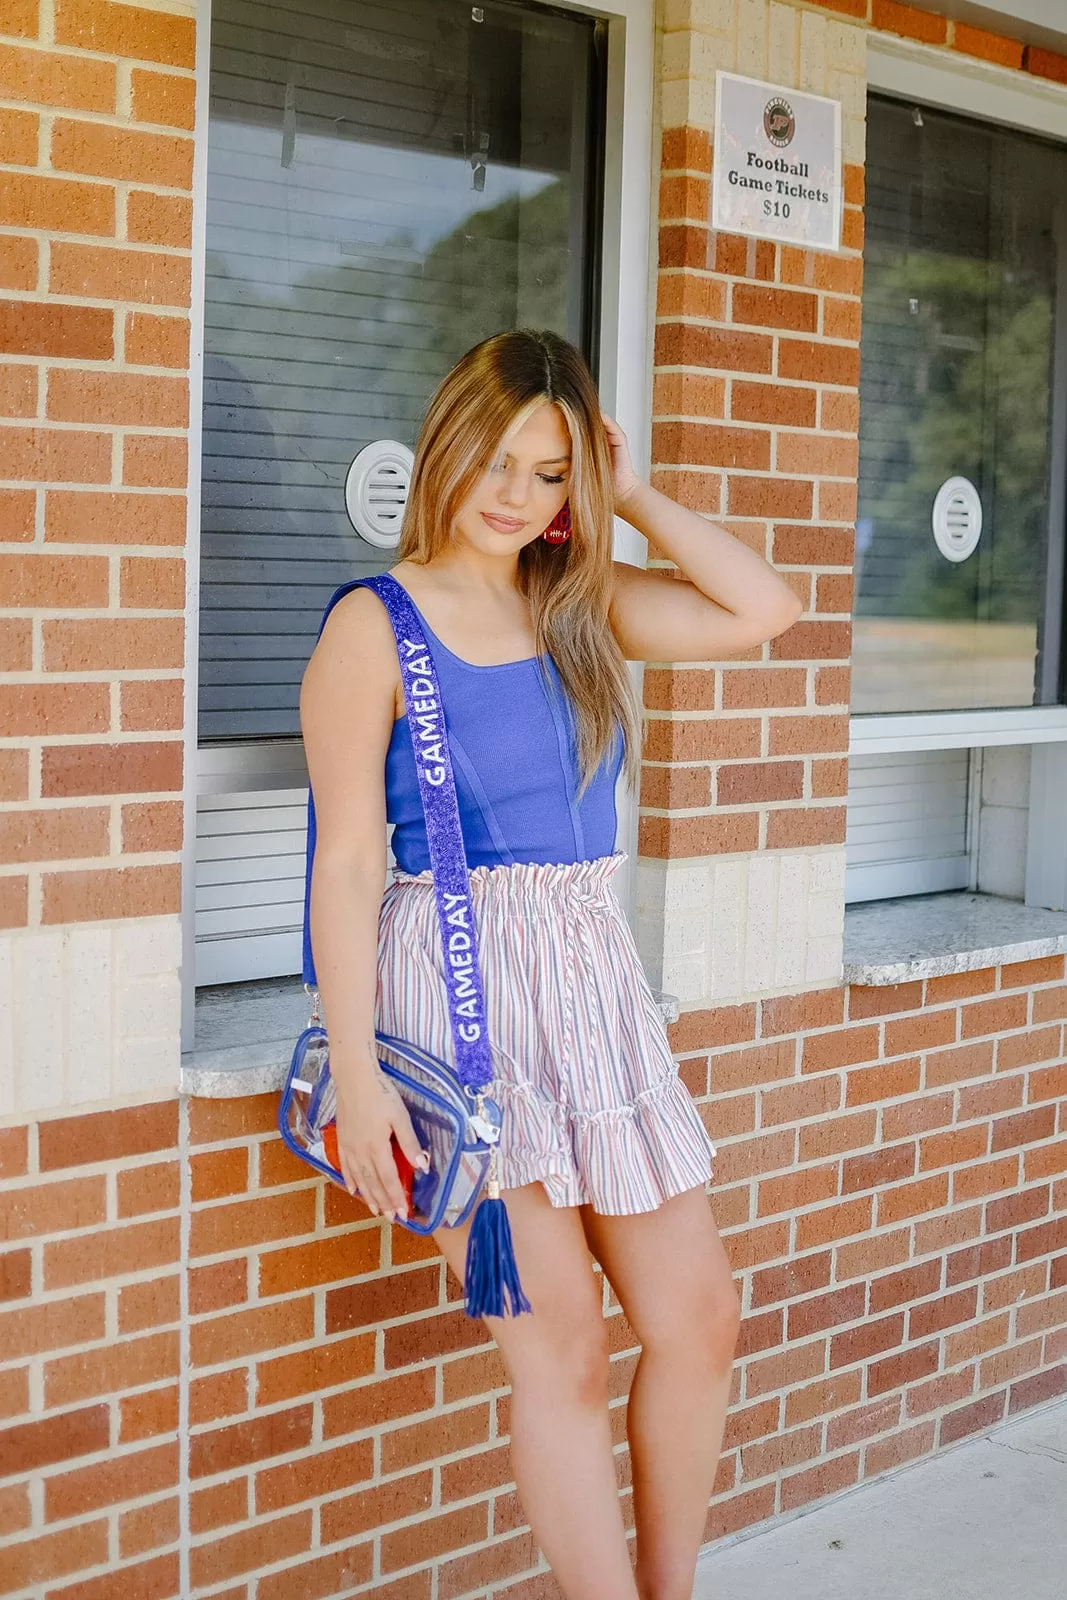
547	478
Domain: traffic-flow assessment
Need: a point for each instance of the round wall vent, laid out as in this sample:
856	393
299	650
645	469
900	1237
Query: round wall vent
957	519
376	492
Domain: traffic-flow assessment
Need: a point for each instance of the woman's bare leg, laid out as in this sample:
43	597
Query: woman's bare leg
673	1280
557	1360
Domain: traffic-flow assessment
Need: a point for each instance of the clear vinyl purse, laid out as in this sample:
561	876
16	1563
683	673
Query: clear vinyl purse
453	1113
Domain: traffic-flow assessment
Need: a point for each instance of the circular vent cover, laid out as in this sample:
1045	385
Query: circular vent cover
376	491
957	519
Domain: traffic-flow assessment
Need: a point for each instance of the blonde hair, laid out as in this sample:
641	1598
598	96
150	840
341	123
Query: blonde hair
491	391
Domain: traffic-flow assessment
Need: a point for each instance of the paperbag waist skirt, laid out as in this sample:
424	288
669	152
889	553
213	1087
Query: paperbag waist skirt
592	1104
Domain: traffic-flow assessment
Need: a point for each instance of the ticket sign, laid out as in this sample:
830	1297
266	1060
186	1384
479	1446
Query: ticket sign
777	171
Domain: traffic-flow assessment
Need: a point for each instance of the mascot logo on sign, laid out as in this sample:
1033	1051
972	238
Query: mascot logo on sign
779	123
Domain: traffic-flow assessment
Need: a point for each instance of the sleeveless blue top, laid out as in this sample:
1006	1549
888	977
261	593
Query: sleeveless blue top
516	769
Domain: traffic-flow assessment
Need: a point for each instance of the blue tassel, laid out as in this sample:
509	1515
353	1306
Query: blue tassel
491	1276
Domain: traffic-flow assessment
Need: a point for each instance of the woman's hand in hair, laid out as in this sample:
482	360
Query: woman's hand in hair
625	479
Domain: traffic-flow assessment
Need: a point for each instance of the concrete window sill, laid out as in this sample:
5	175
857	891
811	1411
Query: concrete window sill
931	935
245	1034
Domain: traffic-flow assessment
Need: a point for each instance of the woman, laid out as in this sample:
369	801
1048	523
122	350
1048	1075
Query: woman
602	1153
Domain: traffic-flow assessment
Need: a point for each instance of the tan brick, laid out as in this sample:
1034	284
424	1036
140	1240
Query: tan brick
95	896
79	516
98	769
116	644
63	205
56	455
106	272
14	779
14	902
159	219
18	262
47	78
20	135
70	833
33	328
156	341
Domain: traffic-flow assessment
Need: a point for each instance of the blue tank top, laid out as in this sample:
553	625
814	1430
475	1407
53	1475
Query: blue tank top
516	769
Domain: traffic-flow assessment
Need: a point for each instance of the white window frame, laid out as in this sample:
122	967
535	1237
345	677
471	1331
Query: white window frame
625	364
914	72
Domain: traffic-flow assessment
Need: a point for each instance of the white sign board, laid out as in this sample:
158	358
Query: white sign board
777	167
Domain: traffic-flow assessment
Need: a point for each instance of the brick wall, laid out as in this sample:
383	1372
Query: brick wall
219	1379
891	1185
95	211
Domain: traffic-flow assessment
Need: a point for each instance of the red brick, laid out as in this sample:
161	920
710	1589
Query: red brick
708	445
953	1147
443	1334
55	455
1045	63
436	1536
32	1445
31	1211
111	1253
743	1069
316	1577
863	1422
753	783
18	262
151	707
785	1368
135	32
127	1364
47	1556
106	272
43	709
906	1367
223	1394
81	516
702	739
1034	1391
108	1135
807	546
37	328
985	1177
109	1483
872	1337
888	1164
775	308
807	641
883	1002
800	736
814	455
681	344
237	1445
244	1333
815	362
147	1528
824	1052
1043	1240
685	149
816	1483
148	1305
1049	1004
974	1418
321	1261
776	404
899	1288
676	838
911	1199
368	1405
769	497
990	1097
791	1279
994	1016
98	895
113	644
99	769
16	650
954	1065
832	1136
212	1121
922	1032
250	1222
823	1311
939	1392
944	1312
68	833
148	1188
220	1285
1023	974
1028	1126
252	1548
38	200
832	1223
977	1261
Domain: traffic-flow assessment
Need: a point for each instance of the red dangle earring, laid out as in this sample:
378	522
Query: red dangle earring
559	530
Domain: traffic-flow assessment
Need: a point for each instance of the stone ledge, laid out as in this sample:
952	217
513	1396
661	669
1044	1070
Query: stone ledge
932	935
246	1032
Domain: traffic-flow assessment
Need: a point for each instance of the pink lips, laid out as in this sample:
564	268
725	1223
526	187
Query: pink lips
502	524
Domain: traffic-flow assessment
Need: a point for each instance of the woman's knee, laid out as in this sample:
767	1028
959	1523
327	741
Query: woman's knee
566	1358
700	1334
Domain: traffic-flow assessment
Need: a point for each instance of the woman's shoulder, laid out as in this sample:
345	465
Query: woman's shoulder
356	646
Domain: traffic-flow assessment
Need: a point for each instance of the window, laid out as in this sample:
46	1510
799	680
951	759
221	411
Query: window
385	187
957	613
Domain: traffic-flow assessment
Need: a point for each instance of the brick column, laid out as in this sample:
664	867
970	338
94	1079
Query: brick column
741	870
95	253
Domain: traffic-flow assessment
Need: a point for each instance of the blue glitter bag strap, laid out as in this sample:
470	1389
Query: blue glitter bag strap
491	1280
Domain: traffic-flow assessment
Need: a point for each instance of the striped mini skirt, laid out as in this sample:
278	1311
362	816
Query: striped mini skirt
592	1104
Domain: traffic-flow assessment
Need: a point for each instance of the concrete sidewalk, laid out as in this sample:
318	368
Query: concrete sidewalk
985	1520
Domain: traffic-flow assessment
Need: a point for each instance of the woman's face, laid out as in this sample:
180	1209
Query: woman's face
526	485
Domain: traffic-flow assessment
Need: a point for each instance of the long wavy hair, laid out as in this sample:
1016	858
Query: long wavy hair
491	391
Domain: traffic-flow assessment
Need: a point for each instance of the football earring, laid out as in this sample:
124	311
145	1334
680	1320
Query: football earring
559	530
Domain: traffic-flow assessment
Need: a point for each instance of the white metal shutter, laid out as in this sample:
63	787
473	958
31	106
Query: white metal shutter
907	824
249	885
